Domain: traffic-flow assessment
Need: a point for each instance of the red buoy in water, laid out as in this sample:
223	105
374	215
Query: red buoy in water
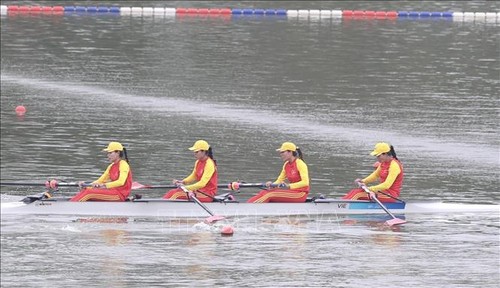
227	230
20	110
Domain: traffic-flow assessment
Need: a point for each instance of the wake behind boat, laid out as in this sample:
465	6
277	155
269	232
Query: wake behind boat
186	209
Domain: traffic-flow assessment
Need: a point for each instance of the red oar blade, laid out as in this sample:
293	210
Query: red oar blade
137	185
214	218
395	221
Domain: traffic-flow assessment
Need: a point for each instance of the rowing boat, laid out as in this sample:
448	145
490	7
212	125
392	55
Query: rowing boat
186	209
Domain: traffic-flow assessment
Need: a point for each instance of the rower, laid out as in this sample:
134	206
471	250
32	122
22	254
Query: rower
296	174
389	172
115	183
202	180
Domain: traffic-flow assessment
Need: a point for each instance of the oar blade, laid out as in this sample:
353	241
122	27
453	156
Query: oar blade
395	221
213	219
137	185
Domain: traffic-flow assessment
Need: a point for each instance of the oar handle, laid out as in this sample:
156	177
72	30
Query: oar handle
363	186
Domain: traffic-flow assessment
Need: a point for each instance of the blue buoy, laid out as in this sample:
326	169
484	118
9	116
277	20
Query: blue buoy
69	8
413	14
80	9
447	14
102	9
258	12
281	12
237	11
402	13
91	9
247	11
435	14
425	14
270	12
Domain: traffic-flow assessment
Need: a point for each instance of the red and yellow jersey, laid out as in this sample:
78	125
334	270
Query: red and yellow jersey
297	174
117	175
390	174
204	176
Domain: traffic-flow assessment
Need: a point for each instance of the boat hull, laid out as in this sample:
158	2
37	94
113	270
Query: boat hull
184	209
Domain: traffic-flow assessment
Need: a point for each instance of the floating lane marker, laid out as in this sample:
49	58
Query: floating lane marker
300	14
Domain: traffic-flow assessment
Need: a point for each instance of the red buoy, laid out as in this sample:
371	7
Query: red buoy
227	230
20	110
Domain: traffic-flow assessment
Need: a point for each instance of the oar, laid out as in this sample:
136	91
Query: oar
232	186
390	196
395	220
46	184
137	185
53	185
213	217
238	185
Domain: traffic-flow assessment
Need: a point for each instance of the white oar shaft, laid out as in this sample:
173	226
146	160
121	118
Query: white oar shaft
192	196
395	220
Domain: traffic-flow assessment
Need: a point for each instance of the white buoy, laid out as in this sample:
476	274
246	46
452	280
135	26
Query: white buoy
314	12
159	11
125	10
458	16
169	11
491	17
480	16
337	13
326	13
136	11
147	11
468	16
303	13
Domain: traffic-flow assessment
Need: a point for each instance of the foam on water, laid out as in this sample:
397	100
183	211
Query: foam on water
11	201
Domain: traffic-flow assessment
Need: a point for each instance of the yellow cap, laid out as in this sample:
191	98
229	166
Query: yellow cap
287	146
200	145
114	146
380	148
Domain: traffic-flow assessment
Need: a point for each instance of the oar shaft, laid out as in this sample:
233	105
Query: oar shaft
141	186
193	197
232	186
21	184
250	185
378	201
71	184
202	205
383	207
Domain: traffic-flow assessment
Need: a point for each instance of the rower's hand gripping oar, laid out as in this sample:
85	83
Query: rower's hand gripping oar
395	220
213	218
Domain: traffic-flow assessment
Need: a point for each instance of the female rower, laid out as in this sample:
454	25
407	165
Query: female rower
295	171
115	183
203	180
389	172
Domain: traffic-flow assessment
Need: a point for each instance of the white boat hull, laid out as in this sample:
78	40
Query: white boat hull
184	209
